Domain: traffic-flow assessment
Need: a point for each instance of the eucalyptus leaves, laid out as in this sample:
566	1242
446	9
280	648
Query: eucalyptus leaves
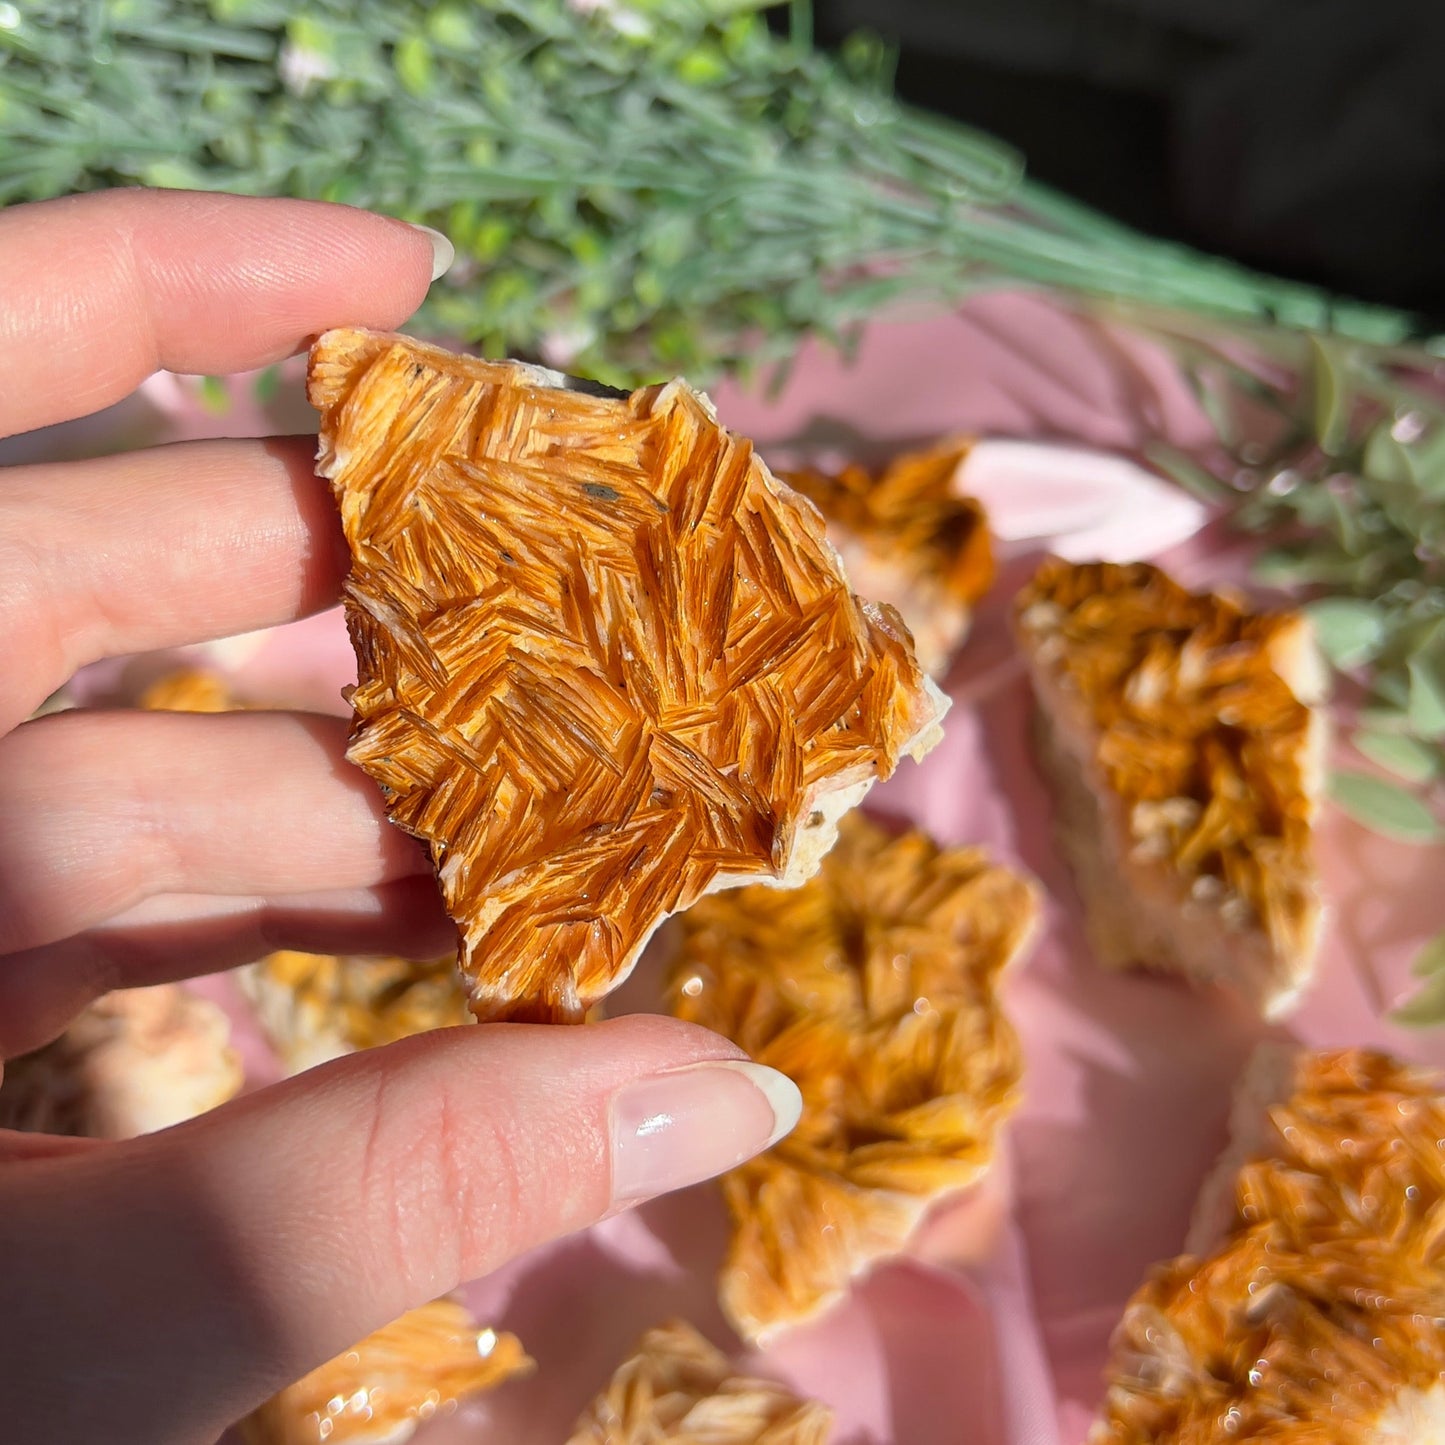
1386	523
1427	1008
1352	498
1362	508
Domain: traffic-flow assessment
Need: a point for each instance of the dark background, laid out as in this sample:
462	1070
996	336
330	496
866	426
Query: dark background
1304	137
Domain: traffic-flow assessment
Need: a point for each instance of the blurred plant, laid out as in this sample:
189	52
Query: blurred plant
1351	497
636	187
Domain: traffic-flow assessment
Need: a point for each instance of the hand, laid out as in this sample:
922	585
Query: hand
157	1289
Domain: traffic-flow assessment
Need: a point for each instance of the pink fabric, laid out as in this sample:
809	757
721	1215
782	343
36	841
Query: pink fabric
996	1328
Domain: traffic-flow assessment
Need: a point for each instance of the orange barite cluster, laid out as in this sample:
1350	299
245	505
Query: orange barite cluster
413	1370
677	1389
316	1006
874	987
1180	713
135	1061
607	662
188	690
908	537
1321	1314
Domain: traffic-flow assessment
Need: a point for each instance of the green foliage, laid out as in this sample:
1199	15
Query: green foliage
635	186
1385	807
1426	1008
1351	494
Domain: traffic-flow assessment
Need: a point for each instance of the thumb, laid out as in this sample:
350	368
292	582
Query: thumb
173	1282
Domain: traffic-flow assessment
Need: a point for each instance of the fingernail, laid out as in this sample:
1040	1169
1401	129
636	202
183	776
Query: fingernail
677	1128
443	253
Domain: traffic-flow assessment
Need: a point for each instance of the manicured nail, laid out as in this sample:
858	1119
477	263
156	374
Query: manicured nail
677	1128
443	253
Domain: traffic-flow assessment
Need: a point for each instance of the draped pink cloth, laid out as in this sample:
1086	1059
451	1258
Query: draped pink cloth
995	1329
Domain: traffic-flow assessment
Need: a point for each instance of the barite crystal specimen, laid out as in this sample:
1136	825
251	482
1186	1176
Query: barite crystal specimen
677	1389
874	987
908	537
607	663
1187	762
416	1369
1314	1309
188	690
314	1007
133	1062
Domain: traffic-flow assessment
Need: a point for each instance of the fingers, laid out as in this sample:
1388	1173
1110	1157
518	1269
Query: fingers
102	290
174	937
106	809
154	549
252	1244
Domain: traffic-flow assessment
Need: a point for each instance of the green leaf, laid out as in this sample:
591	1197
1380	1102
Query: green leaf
306	32
414	67
1406	757
215	395
1383	717
1426	1009
171	175
704	66
450	26
266	385
1180	468
1427	697
1386	459
1313	567
1427	461
1383	807
1392	690
1349	629
1431	959
1330	396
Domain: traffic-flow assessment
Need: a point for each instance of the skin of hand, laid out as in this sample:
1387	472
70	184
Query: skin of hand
156	1289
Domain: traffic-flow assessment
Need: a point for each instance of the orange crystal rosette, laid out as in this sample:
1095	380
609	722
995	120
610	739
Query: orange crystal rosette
677	1389
135	1061
1320	1316
875	988
413	1370
908	537
607	662
1187	765
318	1006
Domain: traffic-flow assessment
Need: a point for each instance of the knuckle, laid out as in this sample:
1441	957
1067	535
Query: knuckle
442	1182
27	603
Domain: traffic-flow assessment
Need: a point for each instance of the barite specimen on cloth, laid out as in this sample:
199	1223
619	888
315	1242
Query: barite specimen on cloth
135	1061
874	987
319	1006
908	536
1312	1305
677	1389
1188	760
416	1369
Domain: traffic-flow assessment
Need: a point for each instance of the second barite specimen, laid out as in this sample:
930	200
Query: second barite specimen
318	1006
135	1061
908	537
874	987
677	1389
1312	1305
1187	757
416	1369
